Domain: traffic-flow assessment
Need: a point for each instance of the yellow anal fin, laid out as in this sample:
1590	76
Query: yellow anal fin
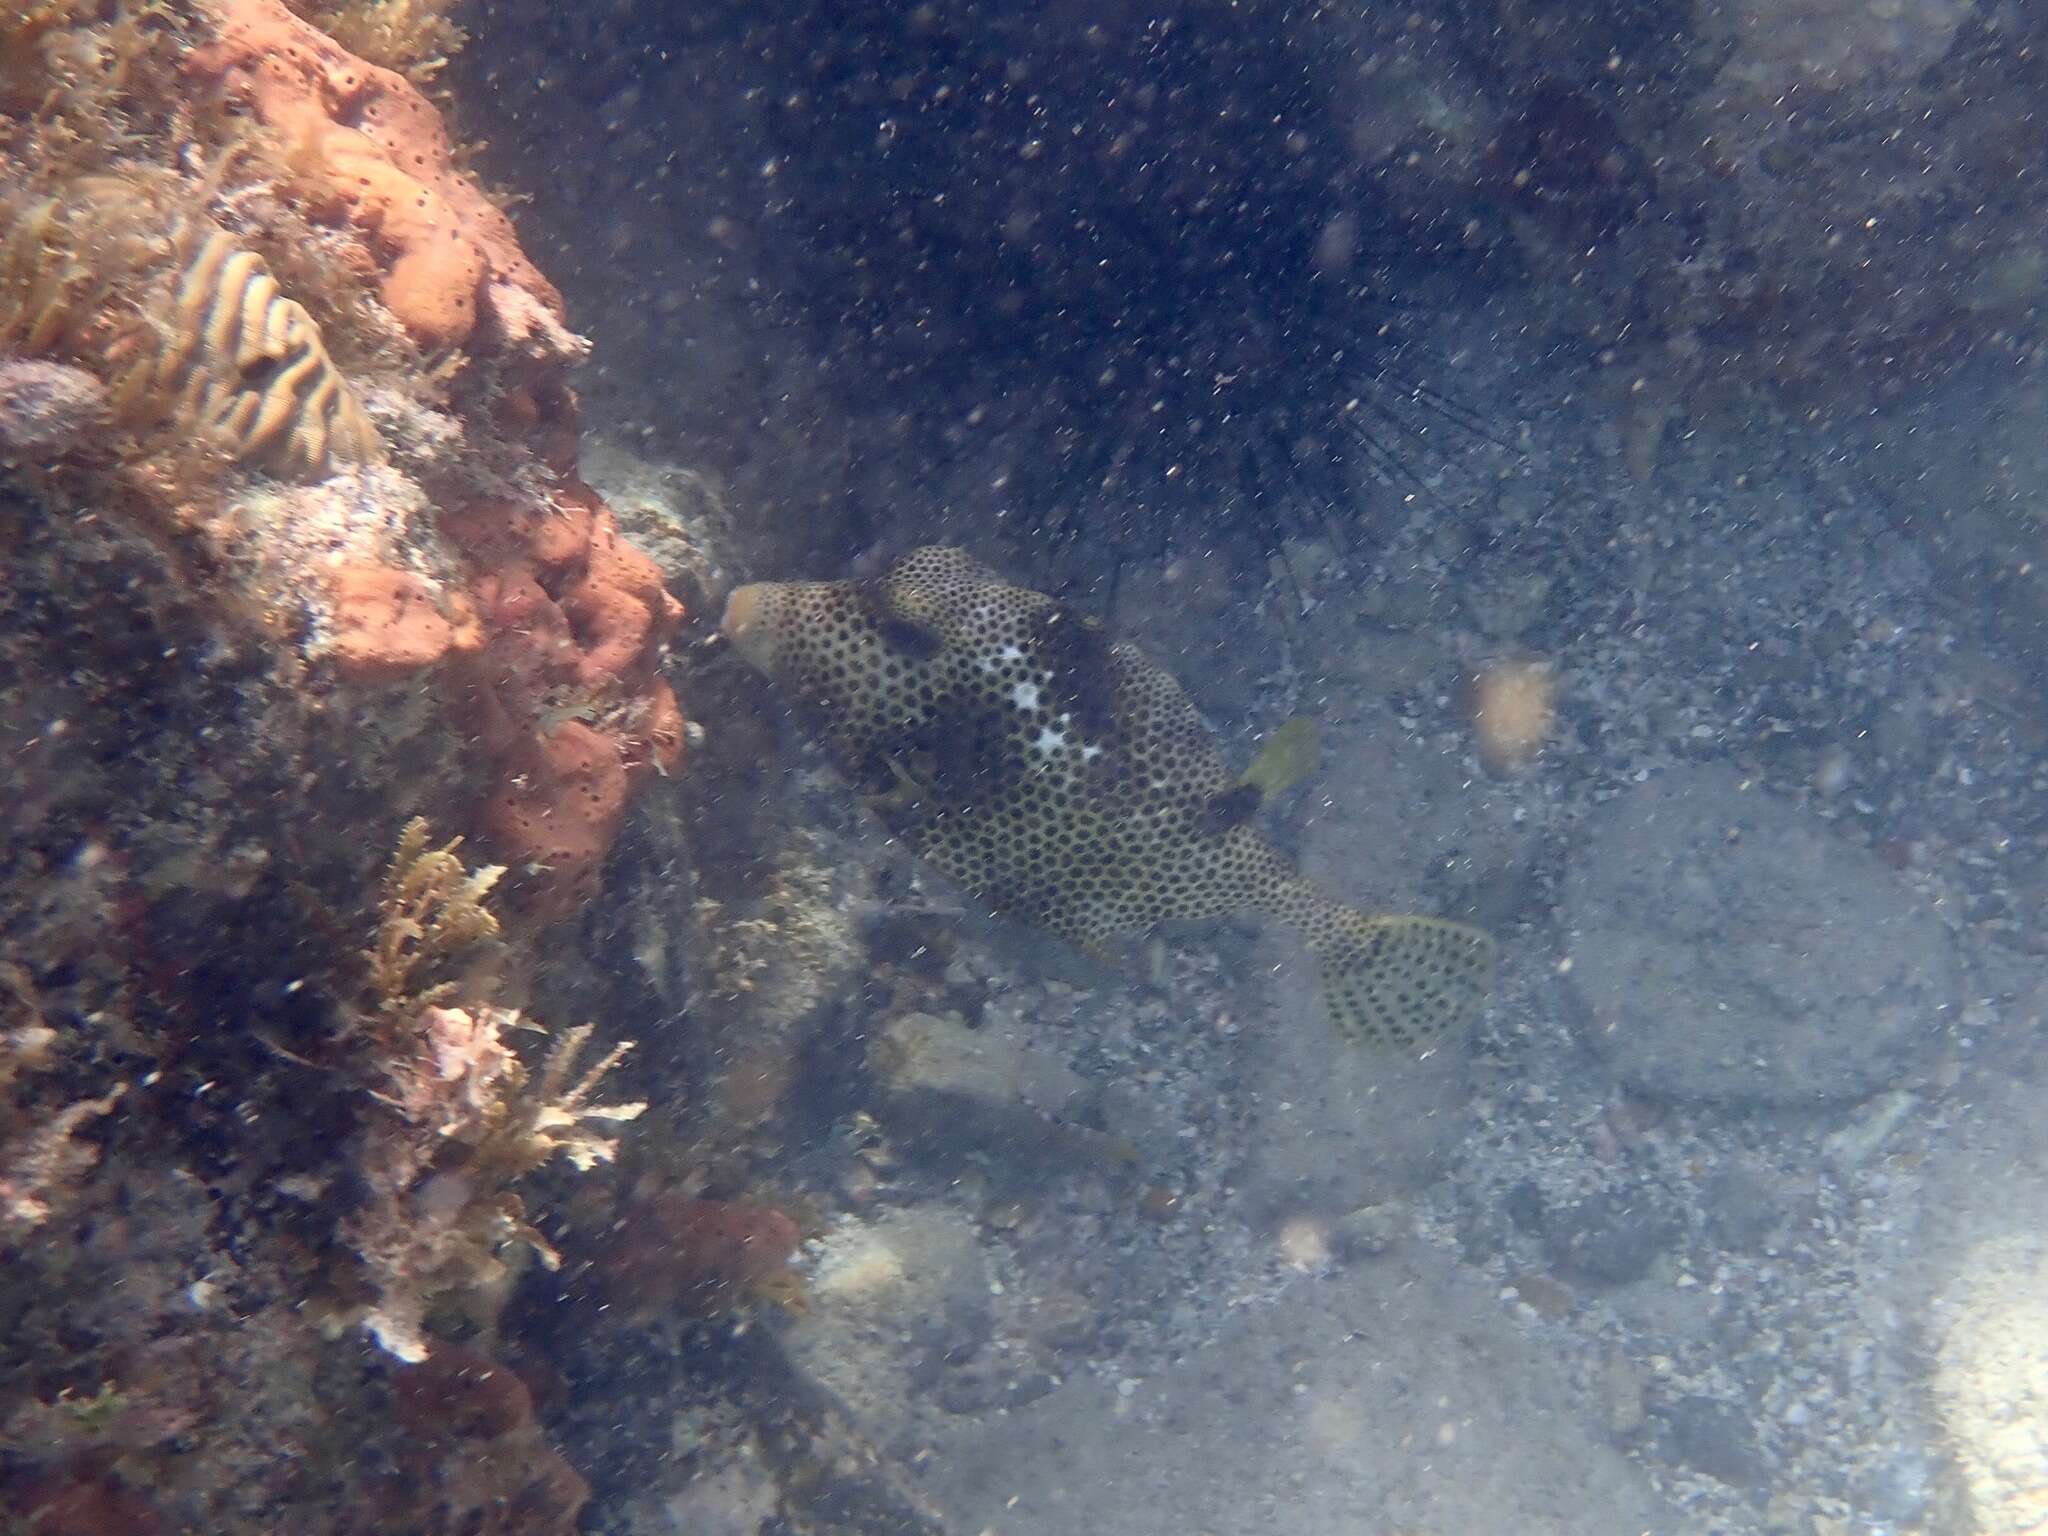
1405	983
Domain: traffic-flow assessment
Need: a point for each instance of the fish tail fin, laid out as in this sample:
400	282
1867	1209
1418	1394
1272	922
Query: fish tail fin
1400	982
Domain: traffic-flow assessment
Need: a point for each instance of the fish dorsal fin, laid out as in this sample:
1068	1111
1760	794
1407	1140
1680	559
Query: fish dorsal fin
1292	754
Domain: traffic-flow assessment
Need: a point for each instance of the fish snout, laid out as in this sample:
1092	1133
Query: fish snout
746	625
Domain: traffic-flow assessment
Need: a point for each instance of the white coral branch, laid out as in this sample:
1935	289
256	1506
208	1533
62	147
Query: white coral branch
38	1166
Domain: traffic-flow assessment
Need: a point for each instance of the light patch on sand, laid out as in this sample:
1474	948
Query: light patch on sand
1304	1244
856	1266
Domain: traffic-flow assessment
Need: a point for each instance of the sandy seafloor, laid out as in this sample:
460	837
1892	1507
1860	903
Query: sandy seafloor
1731	1216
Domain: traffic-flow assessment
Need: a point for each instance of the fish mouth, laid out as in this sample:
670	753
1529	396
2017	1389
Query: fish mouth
745	625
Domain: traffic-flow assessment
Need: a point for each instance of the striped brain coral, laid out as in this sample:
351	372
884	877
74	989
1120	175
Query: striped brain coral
189	328
246	365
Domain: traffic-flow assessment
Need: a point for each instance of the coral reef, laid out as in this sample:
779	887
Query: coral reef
432	1118
295	552
369	150
247	237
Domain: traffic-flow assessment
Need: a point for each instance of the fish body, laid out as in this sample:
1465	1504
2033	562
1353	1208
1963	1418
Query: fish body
1065	778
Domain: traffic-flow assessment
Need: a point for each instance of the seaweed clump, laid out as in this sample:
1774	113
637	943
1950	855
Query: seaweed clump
414	37
42	1158
678	1252
465	1117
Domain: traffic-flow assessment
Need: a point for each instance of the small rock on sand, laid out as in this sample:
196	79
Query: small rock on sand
1728	946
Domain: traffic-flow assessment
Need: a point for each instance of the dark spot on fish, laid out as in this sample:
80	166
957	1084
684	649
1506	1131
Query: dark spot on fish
1075	650
908	638
1232	808
902	634
958	759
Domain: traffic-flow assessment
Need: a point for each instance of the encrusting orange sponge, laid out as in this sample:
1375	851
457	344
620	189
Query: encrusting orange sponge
547	635
367	149
391	623
620	603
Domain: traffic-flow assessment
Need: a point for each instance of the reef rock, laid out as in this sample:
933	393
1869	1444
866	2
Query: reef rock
949	1088
46	409
1403	1397
1728	946
895	1306
1828	44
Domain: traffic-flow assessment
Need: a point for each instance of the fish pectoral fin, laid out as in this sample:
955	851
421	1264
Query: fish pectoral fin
900	624
1403	982
904	794
1097	952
